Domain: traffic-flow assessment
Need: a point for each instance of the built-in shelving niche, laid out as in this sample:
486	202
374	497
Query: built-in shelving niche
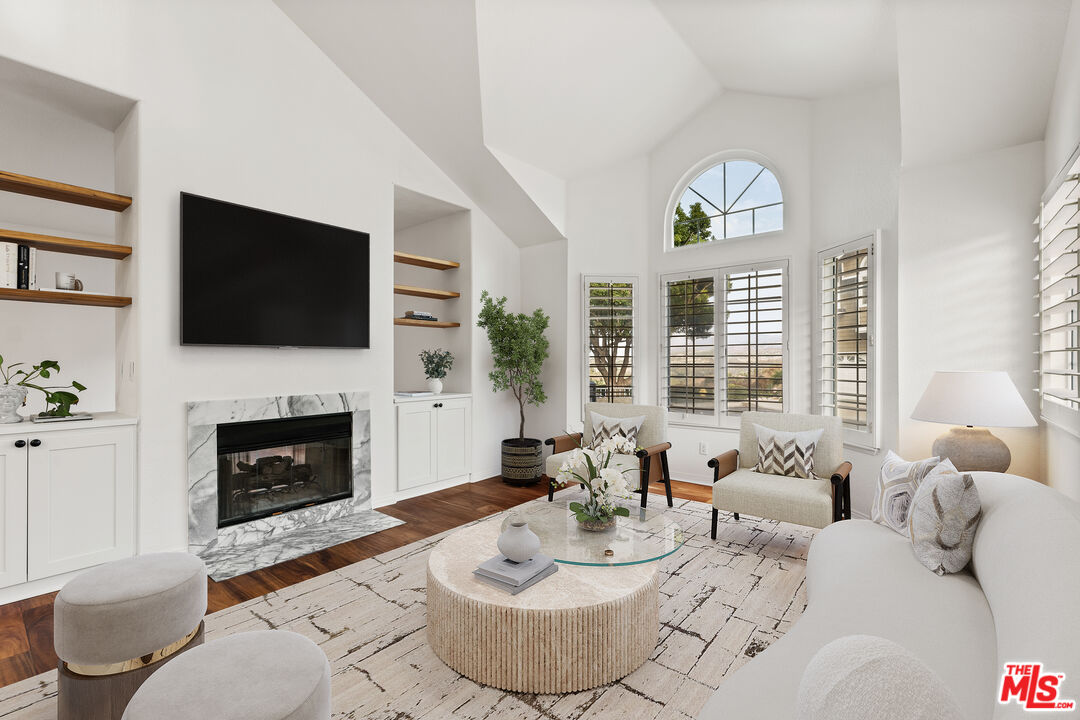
432	244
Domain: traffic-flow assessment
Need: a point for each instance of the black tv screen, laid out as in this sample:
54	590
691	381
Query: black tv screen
252	277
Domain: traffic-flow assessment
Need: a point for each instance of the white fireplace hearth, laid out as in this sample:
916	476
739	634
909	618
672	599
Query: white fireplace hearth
236	549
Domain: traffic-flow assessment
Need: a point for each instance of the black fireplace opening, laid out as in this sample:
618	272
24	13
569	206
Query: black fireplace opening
268	467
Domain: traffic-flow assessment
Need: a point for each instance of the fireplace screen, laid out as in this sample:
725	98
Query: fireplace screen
267	467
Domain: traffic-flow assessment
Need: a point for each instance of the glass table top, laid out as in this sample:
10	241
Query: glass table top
645	536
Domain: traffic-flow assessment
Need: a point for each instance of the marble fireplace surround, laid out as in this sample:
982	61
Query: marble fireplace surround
204	537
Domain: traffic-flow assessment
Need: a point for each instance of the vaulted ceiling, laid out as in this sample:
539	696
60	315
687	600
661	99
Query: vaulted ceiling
512	98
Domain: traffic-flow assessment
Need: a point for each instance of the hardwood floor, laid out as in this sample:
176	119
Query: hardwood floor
26	626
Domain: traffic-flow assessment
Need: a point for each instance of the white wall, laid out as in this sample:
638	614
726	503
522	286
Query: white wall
1063	123
40	139
272	123
856	173
966	289
543	285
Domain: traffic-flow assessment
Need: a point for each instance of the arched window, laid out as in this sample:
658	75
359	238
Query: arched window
732	199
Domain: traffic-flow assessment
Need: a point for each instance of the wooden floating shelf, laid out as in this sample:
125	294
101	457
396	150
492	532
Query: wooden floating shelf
425	323
64	298
425	292
421	261
67	245
52	190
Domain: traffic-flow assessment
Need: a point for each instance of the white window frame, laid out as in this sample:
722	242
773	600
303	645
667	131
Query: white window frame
869	439
694	172
1064	189
720	418
586	279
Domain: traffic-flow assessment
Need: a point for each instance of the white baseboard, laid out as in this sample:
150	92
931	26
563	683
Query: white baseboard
400	495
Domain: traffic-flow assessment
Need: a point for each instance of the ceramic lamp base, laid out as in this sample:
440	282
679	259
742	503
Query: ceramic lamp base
972	449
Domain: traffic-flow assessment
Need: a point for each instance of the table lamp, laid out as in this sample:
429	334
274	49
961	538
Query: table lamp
975	400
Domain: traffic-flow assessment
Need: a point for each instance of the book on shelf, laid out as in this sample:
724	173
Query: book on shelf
515	589
33	284
9	265
23	277
419	315
507	571
413	393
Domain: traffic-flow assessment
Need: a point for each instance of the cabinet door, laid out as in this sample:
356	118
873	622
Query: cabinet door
453	435
81	499
12	511
415	444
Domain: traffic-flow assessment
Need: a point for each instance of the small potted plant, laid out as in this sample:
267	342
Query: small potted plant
436	364
17	380
603	483
518	350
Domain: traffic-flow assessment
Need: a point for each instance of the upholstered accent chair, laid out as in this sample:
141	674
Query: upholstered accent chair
649	465
815	501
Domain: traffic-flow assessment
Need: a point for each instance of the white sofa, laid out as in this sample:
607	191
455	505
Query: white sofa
1019	601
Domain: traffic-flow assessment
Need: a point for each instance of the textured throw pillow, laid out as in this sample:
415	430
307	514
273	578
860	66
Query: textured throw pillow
864	676
786	453
897	483
943	518
605	427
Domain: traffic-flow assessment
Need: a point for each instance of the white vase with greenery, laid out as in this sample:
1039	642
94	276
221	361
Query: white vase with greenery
603	483
437	364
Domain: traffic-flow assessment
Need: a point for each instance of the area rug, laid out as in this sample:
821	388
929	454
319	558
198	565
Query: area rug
722	603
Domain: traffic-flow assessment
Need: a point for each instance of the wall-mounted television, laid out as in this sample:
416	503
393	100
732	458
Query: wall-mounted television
253	277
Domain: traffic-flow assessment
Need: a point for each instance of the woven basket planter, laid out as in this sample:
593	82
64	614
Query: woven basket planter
522	461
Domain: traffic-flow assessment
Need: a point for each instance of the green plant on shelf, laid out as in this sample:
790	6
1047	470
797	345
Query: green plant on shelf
437	363
58	398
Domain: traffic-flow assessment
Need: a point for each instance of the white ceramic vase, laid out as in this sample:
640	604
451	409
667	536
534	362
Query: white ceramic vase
434	385
11	399
518	542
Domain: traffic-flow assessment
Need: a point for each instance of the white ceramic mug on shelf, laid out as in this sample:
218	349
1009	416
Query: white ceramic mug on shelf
68	281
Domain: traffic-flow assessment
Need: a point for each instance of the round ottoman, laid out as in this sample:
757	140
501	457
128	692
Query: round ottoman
262	675
118	623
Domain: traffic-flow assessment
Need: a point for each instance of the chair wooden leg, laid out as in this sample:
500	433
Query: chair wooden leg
645	463
551	488
847	498
715	514
736	516
667	477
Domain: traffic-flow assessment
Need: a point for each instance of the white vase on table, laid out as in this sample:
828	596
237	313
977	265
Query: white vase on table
435	385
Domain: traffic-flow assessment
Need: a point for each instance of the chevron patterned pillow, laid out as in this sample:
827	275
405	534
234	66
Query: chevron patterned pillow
944	516
897	483
604	427
786	453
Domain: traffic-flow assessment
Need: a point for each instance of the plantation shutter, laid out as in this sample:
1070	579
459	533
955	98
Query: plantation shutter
688	345
1058	296
846	353
754	340
609	347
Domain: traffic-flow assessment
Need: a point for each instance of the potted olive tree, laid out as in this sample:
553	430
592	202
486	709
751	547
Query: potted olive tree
518	351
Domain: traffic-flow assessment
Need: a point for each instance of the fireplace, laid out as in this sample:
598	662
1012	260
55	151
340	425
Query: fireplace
268	467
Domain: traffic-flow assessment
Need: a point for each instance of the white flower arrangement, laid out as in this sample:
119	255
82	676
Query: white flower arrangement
603	483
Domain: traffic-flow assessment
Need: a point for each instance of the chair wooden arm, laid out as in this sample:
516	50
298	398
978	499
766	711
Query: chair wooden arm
724	464
562	443
842	473
841	484
654	450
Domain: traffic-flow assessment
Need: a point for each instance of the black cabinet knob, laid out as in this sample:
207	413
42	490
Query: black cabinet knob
35	443
20	443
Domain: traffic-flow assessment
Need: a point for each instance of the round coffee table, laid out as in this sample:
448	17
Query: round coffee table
591	623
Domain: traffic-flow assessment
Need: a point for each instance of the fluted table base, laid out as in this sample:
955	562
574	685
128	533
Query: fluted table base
580	628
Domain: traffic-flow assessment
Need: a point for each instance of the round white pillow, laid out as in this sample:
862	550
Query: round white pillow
863	676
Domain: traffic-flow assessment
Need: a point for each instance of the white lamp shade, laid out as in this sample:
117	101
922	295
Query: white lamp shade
980	399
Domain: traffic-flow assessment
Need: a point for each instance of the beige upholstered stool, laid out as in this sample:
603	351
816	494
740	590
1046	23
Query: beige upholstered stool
117	624
267	674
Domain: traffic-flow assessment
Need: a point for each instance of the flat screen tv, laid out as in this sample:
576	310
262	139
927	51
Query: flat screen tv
252	277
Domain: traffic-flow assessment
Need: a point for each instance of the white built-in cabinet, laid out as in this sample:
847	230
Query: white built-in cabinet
434	440
68	493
